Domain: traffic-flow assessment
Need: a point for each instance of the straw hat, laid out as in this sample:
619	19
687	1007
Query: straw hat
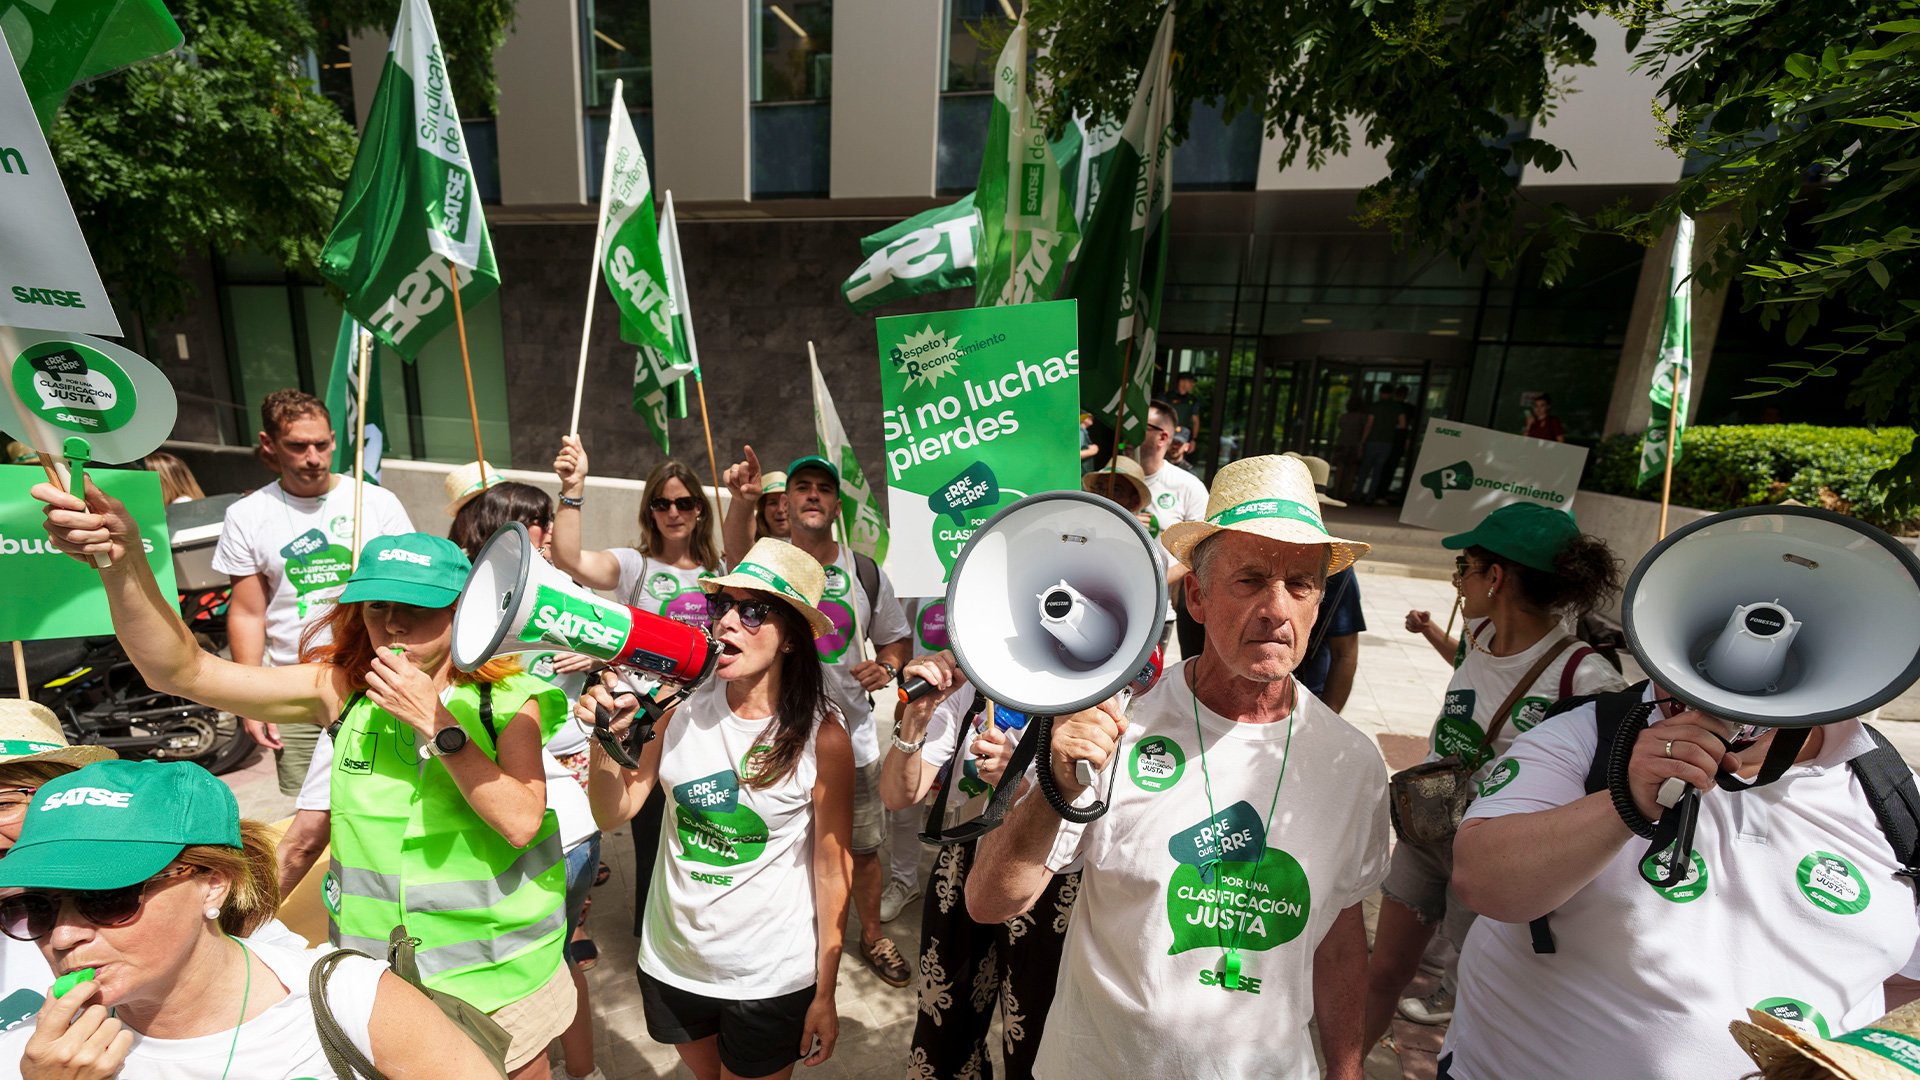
464	483
30	732
774	566
773	483
1888	1049
1321	470
1271	496
1128	469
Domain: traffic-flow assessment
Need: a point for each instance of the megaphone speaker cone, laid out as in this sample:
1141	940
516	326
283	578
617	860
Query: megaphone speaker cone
1783	616
1056	603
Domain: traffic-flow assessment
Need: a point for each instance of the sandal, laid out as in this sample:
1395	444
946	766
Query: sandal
584	953
601	875
883	956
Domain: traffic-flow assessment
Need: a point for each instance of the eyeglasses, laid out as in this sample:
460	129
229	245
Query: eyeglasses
14	800
753	613
686	504
29	916
1161	430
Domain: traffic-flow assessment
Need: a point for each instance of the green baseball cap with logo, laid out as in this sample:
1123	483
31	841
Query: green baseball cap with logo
813	461
411	568
115	823
1526	532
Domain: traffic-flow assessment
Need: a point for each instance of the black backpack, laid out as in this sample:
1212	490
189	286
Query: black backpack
1883	774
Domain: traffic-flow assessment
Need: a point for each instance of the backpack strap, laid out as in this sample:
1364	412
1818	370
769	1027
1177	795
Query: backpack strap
1895	800
1566	673
1519	690
868	572
1610	711
333	729
347	1060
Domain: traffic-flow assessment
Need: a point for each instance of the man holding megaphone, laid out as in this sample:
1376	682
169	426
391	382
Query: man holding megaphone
1220	903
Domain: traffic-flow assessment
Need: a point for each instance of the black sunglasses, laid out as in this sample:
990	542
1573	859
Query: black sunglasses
753	613
685	504
29	916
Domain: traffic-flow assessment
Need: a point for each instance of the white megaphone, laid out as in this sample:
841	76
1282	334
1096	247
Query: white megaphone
1055	605
514	601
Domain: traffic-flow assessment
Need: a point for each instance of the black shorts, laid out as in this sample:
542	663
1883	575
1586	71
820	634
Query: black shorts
757	1037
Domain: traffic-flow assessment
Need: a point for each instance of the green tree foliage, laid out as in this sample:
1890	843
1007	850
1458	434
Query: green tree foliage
217	148
470	30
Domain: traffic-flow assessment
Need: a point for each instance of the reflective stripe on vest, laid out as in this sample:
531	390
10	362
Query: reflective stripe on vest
486	892
496	950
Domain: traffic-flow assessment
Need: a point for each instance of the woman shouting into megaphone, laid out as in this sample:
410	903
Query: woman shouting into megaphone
438	786
748	905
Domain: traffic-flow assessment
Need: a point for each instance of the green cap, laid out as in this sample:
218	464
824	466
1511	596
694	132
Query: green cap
812	461
115	823
411	568
1526	532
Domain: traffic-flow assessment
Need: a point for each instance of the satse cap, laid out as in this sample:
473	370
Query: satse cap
116	823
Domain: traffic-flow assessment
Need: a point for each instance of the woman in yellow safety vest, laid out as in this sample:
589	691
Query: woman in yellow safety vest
748	905
439	791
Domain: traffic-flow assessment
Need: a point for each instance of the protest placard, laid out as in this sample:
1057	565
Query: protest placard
1465	471
47	594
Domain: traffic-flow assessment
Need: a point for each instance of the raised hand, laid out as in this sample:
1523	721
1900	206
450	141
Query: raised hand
743	478
83	528
570	465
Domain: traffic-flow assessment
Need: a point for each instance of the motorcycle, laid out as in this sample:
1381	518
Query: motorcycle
101	698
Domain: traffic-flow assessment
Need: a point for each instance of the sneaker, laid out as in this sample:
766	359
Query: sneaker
896	897
596	1074
885	959
1435	1008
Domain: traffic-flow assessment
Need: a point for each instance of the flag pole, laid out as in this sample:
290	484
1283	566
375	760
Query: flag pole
360	436
1120	417
593	272
466	365
1666	474
20	671
713	463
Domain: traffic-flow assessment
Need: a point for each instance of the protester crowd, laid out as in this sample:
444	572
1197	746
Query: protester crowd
1212	923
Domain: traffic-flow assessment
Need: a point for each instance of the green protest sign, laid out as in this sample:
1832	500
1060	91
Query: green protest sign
49	595
981	409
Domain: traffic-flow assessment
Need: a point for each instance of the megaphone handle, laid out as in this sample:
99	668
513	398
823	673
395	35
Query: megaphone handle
914	689
1057	799
642	725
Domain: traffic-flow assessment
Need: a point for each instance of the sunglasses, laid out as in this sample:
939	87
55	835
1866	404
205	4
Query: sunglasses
14	800
29	916
1463	567
686	504
753	613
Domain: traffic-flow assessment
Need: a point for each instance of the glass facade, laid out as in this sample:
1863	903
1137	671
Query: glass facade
1218	155
791	67
616	42
966	90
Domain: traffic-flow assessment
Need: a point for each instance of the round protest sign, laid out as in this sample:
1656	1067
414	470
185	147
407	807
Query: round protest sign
65	386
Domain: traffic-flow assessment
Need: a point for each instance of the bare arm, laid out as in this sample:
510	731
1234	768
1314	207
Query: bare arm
1421	622
1900	991
302	844
1339	993
157	642
832	880
594	569
743	483
247	641
905	779
1343	654
509	794
411	1037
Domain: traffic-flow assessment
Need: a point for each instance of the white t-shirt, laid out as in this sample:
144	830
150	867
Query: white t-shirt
1137	994
1175	495
652	585
845	603
964	782
1791	903
303	546
279	1044
1483	681
731	912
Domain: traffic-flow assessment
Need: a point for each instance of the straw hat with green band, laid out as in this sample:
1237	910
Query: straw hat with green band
775	566
468	481
410	568
30	732
115	823
1526	532
1888	1049
1126	469
1270	496
773	483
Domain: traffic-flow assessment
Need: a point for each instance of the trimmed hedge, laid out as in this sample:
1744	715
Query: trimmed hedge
1721	468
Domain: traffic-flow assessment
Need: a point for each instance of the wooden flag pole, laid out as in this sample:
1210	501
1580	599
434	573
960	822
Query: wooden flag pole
1120	417
466	365
713	463
20	671
360	436
1666	474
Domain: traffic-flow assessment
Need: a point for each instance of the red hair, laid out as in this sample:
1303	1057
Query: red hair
351	650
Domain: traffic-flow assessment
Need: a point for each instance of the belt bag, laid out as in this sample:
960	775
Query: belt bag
1428	801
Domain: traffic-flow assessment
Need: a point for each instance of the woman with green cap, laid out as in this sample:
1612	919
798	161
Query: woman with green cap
138	881
1524	573
438	788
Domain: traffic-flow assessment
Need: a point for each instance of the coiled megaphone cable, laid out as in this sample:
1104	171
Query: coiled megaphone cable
1043	736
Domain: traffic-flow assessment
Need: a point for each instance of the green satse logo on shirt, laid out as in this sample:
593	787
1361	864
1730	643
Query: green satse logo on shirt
1690	888
1833	883
314	564
713	827
1527	712
1265	903
1797	1014
1500	776
663	586
1165	499
1157	763
1456	733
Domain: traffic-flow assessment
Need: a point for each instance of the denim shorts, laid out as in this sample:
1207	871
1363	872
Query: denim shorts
583	862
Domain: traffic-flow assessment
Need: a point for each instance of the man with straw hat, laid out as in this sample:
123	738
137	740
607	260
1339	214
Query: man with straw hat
1887	1049
288	549
1220	904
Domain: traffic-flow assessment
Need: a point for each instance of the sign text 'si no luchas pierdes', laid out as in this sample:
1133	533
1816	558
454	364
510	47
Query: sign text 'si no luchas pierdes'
982	408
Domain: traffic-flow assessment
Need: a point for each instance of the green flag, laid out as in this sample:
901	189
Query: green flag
926	253
1122	261
343	399
659	375
861	521
59	44
1676	353
411	204
1027	227
630	258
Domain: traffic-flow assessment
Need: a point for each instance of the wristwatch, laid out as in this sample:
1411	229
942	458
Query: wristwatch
893	673
909	747
446	741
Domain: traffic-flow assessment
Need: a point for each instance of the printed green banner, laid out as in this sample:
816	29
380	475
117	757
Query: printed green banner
980	408
62	43
928	252
48	594
630	261
1676	353
1027	226
860	521
343	400
411	204
659	375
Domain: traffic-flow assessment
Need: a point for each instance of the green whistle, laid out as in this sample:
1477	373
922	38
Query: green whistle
70	980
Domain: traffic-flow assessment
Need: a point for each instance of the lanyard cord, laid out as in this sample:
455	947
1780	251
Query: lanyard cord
245	993
1231	969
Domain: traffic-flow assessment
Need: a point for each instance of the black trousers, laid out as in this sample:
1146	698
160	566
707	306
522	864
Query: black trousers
969	971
